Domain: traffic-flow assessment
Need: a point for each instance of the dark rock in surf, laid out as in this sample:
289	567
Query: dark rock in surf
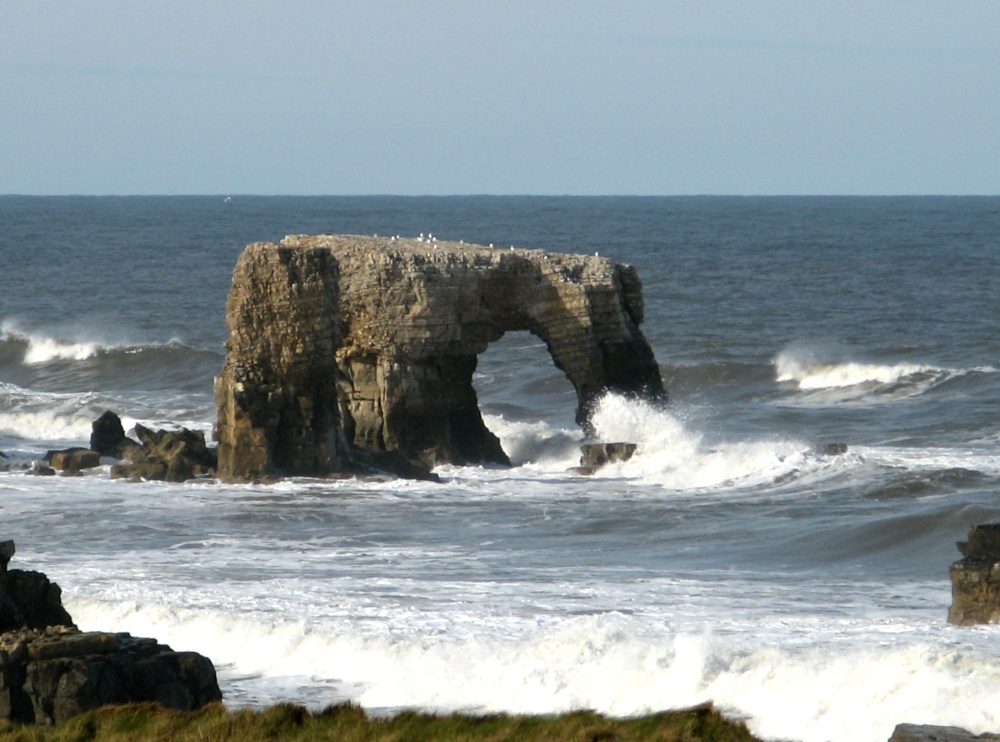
832	449
50	675
975	580
107	435
167	455
28	599
931	733
40	469
73	459
347	344
595	455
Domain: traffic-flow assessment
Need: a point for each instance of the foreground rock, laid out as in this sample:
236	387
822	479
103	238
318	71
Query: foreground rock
929	733
975	580
341	345
50	670
50	675
28	599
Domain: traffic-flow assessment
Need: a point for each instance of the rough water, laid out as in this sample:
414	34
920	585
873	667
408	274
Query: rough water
732	559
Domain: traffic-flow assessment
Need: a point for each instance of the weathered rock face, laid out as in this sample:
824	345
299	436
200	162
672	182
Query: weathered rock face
975	580
344	344
49	675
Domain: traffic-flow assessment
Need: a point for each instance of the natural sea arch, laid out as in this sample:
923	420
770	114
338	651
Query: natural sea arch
343	347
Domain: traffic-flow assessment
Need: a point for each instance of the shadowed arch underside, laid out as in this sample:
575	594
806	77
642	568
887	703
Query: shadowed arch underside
343	346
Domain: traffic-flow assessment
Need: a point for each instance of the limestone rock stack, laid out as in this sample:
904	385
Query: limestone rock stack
345	347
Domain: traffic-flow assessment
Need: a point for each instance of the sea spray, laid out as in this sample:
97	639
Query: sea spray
671	454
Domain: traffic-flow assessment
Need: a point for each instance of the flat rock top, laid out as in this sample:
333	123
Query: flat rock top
436	249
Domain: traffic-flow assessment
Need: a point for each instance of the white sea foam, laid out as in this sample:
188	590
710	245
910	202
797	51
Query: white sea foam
536	442
821	691
673	455
36	416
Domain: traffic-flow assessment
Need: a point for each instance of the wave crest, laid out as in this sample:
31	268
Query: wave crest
808	374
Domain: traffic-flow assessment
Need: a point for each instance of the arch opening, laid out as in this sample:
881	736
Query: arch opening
525	400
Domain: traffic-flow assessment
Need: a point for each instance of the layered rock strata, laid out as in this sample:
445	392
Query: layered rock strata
975	580
343	348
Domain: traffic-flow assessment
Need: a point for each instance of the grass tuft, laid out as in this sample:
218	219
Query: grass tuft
143	722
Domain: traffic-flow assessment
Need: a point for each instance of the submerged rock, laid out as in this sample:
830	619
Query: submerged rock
41	469
975	580
344	344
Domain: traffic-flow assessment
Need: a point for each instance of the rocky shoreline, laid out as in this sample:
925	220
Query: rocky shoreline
50	671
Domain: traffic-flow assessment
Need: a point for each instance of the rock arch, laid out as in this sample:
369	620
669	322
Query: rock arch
343	347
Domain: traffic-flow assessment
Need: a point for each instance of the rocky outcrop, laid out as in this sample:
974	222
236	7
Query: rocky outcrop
50	675
931	733
28	599
975	580
107	435
342	344
50	670
165	455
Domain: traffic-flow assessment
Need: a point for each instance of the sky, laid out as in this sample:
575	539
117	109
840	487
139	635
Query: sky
442	97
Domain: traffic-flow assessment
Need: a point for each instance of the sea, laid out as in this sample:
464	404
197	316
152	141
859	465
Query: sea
779	544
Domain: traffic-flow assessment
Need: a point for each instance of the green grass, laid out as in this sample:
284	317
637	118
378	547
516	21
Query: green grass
148	722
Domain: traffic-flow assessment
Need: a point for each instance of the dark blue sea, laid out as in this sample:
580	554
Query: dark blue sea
733	559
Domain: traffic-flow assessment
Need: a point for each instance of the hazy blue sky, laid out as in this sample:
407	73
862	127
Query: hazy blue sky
455	97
